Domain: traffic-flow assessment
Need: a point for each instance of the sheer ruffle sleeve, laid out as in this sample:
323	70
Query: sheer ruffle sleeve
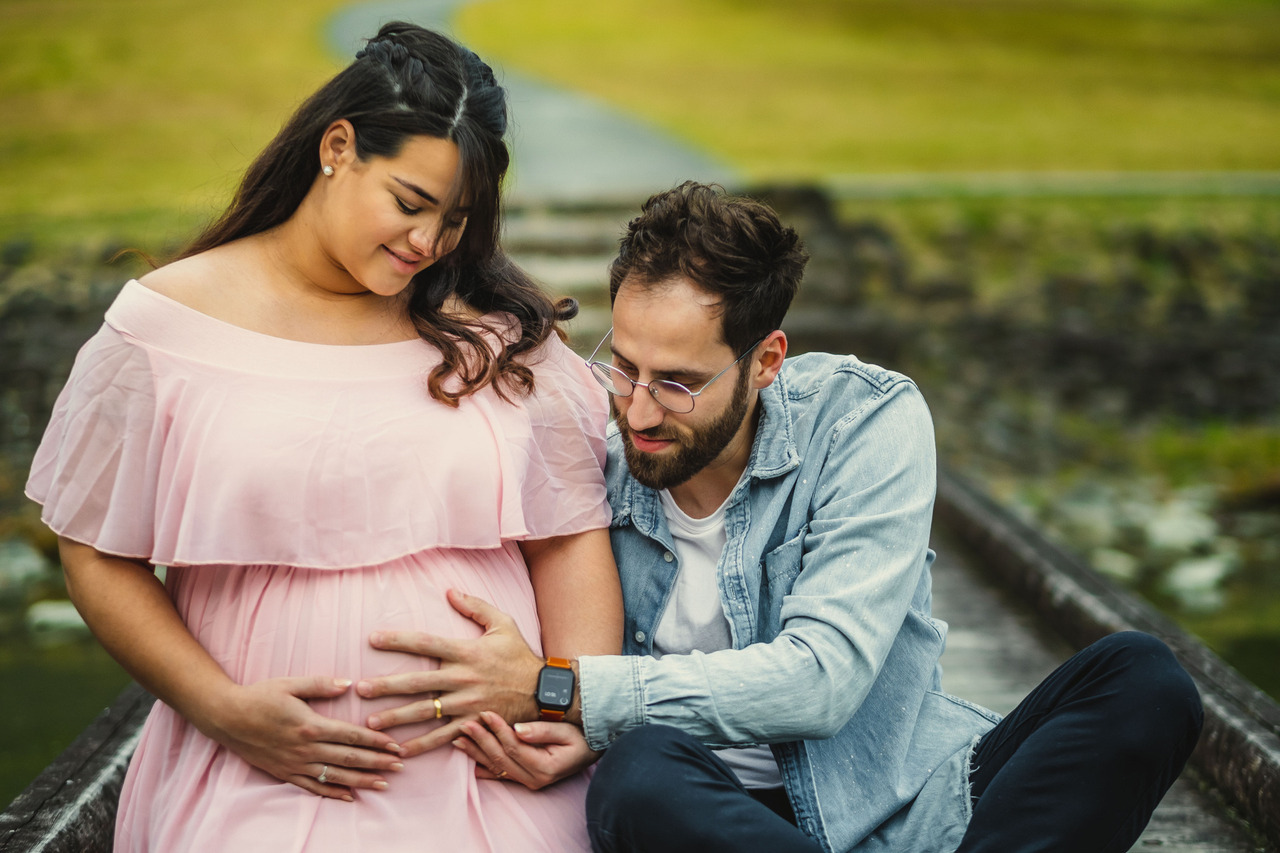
95	470
189	441
561	459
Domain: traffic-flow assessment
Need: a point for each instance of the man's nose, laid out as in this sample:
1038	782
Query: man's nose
644	412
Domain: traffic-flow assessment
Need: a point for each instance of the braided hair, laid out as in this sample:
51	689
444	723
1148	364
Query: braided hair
409	81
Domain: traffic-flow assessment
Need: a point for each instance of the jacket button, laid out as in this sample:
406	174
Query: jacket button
668	556
639	636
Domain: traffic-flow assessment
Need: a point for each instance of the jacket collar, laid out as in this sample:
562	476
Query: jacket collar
773	453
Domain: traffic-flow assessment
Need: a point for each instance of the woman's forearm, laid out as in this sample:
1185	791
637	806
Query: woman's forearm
268	723
579	597
131	614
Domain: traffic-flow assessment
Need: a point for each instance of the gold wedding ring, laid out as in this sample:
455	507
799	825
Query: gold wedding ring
502	775
439	710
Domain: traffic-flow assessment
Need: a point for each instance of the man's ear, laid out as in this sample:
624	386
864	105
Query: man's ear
767	361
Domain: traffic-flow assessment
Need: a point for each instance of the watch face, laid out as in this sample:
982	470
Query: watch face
555	688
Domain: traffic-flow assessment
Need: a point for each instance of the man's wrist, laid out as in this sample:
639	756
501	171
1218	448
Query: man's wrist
533	712
556	689
529	711
574	714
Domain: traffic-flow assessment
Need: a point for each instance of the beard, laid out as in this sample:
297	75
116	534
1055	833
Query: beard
691	450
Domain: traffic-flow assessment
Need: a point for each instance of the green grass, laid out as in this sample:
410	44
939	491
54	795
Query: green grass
135	118
1015	242
1245	632
814	87
132	119
1237	460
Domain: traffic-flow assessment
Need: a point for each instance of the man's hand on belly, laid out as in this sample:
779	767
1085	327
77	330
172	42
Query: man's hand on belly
497	672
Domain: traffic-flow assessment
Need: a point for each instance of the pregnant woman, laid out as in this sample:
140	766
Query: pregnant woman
340	402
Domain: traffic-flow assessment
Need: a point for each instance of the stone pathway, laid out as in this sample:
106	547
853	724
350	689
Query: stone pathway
568	147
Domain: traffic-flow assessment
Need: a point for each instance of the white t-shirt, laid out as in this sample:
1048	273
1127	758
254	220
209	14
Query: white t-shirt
694	619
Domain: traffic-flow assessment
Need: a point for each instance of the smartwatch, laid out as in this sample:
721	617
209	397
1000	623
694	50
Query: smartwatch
555	689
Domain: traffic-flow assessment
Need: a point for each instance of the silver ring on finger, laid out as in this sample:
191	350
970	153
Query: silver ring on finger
324	775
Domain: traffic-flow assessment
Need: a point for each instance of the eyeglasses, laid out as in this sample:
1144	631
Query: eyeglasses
670	395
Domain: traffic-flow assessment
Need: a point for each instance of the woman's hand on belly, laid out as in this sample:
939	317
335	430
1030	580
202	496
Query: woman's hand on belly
533	754
270	725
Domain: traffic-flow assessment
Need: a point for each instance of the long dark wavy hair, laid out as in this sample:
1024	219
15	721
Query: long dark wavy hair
410	81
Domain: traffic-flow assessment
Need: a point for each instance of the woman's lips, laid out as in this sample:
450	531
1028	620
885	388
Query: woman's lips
402	262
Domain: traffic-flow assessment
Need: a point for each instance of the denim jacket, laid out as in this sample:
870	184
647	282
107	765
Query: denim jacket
825	583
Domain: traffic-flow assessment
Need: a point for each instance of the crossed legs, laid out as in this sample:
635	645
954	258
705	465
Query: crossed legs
1083	761
1079	765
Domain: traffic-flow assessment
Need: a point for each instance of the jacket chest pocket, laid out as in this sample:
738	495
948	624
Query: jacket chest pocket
781	567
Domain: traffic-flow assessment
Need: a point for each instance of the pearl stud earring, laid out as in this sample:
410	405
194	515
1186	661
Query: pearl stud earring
328	171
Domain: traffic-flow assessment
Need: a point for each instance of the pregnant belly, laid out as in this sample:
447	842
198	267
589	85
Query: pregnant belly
263	622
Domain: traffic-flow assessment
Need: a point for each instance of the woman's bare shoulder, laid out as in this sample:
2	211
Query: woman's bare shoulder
199	281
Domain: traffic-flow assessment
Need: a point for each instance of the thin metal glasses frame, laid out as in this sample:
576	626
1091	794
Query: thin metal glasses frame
654	387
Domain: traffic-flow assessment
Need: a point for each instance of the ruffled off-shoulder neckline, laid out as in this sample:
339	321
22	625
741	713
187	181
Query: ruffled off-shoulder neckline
187	440
163	323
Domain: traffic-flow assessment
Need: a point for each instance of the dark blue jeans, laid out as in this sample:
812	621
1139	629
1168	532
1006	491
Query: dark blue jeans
1079	765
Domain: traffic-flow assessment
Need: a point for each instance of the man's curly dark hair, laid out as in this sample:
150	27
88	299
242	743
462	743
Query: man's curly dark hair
731	246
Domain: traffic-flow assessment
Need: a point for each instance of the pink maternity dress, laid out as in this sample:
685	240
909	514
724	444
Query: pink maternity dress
301	496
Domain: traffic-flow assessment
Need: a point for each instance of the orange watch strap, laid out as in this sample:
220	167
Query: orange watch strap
547	715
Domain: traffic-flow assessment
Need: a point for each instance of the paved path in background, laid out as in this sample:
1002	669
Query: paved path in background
566	146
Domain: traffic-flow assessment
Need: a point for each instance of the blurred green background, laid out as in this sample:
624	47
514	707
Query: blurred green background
128	122
133	118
